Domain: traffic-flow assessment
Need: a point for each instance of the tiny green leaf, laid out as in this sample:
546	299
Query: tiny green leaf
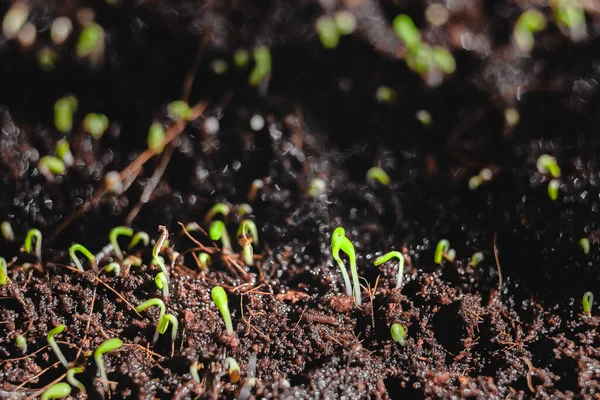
407	31
398	334
95	124
220	299
56	391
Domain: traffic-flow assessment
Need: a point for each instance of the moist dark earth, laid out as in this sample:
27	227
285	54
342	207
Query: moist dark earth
511	326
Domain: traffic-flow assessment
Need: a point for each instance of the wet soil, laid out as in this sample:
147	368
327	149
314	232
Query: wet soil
510	327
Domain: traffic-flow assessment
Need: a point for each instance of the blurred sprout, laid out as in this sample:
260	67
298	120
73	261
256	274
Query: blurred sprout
530	22
219	66
63	113
63	150
262	68
345	21
547	164
407	31
476	258
570	17
7	231
14	19
27	35
553	187
91	43
178	109
585	245
437	14
156	136
47	58
443	59
475	181
328	32
95	124
317	187
257	122
425	117
511	116
240	58
486	174
60	30
113	182
385	95
379	175
49	166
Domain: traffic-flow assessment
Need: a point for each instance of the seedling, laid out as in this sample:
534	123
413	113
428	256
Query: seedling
217	232
328	32
336	243
244	209
317	187
553	187
21	343
7	231
345	21
443	59
476	258
60	30
220	298
407	31
105	347
440	251
56	391
14	19
156	137
451	255
511	116
162	283
131	261
113	266
49	166
63	113
257	184
139	237
385	95
91	43
379	175
80	248
55	347
587	302
240	58
219	208
163	325
547	164
37	235
161	306
157	249
530	22
340	242
95	124
262	67
179	110
73	381
194	368
585	245
398	334
233	369
475	181
113	237
571	18
424	117
3	271
247	226
63	150
388	256
204	260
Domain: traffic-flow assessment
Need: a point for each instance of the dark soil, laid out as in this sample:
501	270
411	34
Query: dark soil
468	337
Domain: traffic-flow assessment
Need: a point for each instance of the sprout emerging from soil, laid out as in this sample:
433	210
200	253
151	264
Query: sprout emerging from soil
257	184
204	260
379	175
553	187
21	343
161	306
95	124
73	381
317	187
63	113
157	249
219	208
398	334
91	44
476	258
475	181
156	137
220	298
162	283
571	18
194	368
139	237
244	209
240	58
441	249
179	110
339	241
233	369
345	21
163	325
14	19
328	32
60	30
37	235
585	245
217	231
56	391
55	347
105	347
407	31
7	231
113	266
262	68
113	237
586	302
250	379
388	256
50	166
83	250
530	22
443	59
547	164
63	150
3	271
247	226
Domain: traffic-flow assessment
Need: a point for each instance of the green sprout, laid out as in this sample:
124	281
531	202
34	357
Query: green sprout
139	237
475	181
530	22
317	187
240	58
63	150
113	266
424	117
73	381
511	116
14	19
55	347
587	302
443	59
441	250
37	235
547	164
49	166
56	391
262	67
476	258
80	248
105	347
388	256
407	31
233	369
21	343
379	175
130	261
571	17
91	43
398	334
3	271
157	249
244	209
47	58
247	226
194	371
345	21
585	245
553	187
113	237
204	260
339	241
220	298
385	95
336	243
163	325
156	137
161	306
63	113
218	231
328	32
162	283
179	110
95	124
219	208
7	231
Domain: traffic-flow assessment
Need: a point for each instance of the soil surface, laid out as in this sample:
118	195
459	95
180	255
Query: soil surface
511	326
